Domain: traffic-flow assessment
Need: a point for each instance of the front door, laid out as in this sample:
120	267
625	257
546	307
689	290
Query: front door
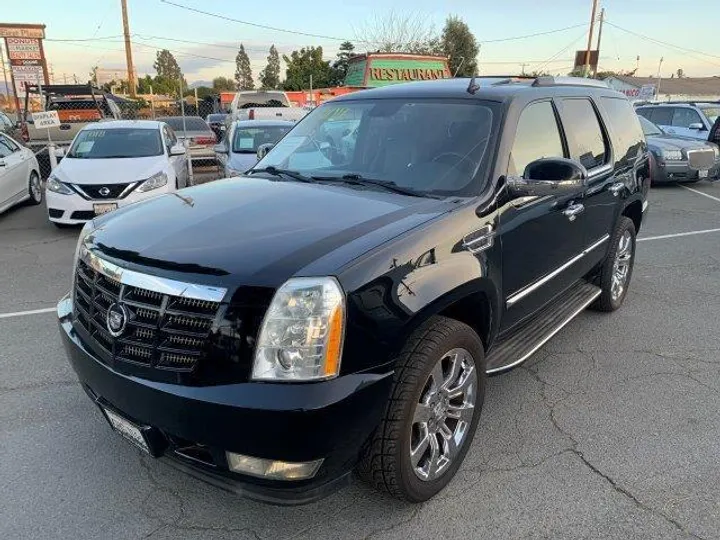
539	238
682	119
14	169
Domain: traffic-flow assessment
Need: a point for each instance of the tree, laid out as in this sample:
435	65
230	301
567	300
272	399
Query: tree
223	84
460	46
400	32
340	66
202	92
270	76
166	66
243	72
303	64
93	75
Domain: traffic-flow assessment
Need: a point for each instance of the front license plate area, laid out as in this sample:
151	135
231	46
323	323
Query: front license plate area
703	174
127	429
104	208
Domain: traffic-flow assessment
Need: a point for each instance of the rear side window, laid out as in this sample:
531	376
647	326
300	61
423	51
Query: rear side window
661	116
585	136
537	136
625	126
683	117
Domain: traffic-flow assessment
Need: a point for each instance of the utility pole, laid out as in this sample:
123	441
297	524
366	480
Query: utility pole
657	89
602	18
523	69
586	67
128	50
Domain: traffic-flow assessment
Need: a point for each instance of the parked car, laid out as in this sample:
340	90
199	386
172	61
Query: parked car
714	136
341	307
77	106
264	105
692	120
216	121
9	127
678	159
195	133
19	174
238	151
113	164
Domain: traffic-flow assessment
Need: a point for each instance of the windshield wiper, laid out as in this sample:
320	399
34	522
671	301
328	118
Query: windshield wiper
281	172
360	180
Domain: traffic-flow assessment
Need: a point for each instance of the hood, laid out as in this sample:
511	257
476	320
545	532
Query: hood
241	162
671	142
254	231
108	171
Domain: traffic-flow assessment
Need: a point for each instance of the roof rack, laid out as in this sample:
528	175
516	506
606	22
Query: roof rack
568	81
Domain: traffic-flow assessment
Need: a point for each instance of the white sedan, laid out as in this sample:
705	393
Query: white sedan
113	164
19	174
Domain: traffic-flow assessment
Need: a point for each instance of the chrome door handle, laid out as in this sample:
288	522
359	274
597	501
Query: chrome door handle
616	188
573	210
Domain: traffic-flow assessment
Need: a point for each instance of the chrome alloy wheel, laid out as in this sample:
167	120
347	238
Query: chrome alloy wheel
35	187
621	266
443	414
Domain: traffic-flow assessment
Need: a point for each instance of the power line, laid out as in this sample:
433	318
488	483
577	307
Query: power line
561	51
515	38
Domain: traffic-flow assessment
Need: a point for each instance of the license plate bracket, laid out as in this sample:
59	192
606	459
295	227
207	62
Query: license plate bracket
703	173
104	208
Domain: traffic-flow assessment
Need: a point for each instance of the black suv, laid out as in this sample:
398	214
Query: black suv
340	306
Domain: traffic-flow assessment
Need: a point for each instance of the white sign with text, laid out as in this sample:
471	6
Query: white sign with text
46	119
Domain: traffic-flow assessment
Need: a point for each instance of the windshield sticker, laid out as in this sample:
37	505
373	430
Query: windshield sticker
85	147
246	144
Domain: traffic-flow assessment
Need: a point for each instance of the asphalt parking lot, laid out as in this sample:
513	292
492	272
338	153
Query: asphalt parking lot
610	431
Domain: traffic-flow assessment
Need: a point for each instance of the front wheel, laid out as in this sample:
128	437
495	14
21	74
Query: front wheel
35	189
430	420
617	268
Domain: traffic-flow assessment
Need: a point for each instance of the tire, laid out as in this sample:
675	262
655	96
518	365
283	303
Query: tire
386	462
35	188
610	299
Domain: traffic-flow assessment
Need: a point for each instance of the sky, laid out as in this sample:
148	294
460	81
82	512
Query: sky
156	23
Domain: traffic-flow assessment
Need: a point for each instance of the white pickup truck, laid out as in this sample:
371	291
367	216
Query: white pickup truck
264	105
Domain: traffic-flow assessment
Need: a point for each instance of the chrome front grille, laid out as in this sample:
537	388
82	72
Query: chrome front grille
162	330
701	159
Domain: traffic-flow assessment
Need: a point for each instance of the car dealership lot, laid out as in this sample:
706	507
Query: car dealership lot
610	431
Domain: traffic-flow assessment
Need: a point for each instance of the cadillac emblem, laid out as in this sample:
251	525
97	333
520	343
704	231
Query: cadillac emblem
117	317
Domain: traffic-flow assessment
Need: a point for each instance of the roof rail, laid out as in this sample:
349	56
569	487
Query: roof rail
569	81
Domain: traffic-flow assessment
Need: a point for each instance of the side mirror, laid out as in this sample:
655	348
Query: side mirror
696	126
178	150
263	149
549	176
220	149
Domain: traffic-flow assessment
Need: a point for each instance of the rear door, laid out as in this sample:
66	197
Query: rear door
15	167
538	238
660	116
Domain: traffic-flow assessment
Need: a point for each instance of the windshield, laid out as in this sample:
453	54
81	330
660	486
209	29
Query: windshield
429	146
247	140
192	123
712	113
216	117
116	143
649	129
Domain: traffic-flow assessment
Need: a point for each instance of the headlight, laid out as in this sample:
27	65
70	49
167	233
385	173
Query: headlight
155	181
302	334
56	186
672	155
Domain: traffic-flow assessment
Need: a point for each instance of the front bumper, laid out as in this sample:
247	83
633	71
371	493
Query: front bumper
75	210
289	422
680	171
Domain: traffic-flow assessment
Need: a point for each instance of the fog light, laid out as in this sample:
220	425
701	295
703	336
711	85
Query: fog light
271	469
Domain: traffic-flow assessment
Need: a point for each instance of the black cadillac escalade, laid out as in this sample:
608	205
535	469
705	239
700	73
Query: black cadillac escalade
340	306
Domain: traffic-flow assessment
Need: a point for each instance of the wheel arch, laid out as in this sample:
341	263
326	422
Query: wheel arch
634	211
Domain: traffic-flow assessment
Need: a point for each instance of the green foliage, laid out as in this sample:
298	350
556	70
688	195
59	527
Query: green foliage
270	76
243	73
166	66
459	45
340	66
222	84
303	64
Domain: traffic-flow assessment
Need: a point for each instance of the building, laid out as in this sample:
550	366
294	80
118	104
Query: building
684	88
381	69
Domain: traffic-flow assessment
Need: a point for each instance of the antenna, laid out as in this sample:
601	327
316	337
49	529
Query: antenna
473	86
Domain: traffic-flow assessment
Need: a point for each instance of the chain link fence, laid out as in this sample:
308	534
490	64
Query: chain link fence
78	105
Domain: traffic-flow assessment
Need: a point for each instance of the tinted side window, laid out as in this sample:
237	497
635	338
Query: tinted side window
537	137
585	137
662	116
5	148
625	127
684	117
9	143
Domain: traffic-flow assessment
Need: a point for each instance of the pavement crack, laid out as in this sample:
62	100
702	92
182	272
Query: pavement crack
394	526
